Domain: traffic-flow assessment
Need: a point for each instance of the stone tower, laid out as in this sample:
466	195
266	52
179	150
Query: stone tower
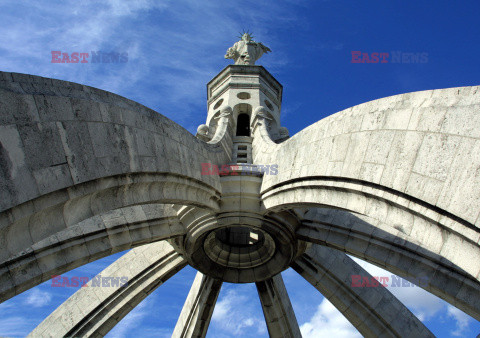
87	173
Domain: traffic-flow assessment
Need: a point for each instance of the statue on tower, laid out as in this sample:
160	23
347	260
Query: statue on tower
246	51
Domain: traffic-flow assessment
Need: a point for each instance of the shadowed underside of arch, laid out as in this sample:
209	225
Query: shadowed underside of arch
373	312
95	309
86	241
86	173
395	182
72	157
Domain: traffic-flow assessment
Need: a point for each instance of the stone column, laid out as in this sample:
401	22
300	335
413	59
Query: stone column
277	309
198	308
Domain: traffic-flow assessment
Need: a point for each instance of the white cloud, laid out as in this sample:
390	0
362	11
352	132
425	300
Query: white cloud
233	314
422	303
174	47
131	321
38	298
328	322
462	320
13	326
290	108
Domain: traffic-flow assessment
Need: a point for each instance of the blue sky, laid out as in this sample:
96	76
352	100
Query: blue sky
175	47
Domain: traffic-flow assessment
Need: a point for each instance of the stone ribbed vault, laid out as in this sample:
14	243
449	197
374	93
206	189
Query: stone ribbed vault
86	173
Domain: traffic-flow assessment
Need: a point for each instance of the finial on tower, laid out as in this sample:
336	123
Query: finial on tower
246	51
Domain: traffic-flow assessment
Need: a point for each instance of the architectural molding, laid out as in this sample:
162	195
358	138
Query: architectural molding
374	311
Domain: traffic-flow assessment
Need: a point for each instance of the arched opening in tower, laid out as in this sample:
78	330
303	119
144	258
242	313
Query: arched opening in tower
243	125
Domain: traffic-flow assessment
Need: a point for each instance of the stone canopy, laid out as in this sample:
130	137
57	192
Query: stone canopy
86	173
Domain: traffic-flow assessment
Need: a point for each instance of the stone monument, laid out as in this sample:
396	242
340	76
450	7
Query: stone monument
86	173
246	51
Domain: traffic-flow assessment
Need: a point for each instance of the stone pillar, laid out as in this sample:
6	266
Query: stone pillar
277	309
198	308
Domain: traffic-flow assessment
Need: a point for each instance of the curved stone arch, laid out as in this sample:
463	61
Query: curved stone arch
374	312
438	231
416	143
86	241
105	309
242	108
409	162
71	152
57	134
421	192
19	251
374	242
93	311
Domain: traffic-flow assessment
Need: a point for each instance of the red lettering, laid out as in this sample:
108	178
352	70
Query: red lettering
83	56
56	281
55	56
75	58
374	58
214	170
74	282
225	170
356	57
366	282
65	58
384	57
356	281
383	281
365	58
205	169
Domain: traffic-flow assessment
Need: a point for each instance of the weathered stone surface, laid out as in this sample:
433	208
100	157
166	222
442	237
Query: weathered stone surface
198	309
86	173
393	250
86	132
246	51
277	309
87	241
96	309
418	159
331	271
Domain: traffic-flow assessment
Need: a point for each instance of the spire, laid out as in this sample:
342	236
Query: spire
246	51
